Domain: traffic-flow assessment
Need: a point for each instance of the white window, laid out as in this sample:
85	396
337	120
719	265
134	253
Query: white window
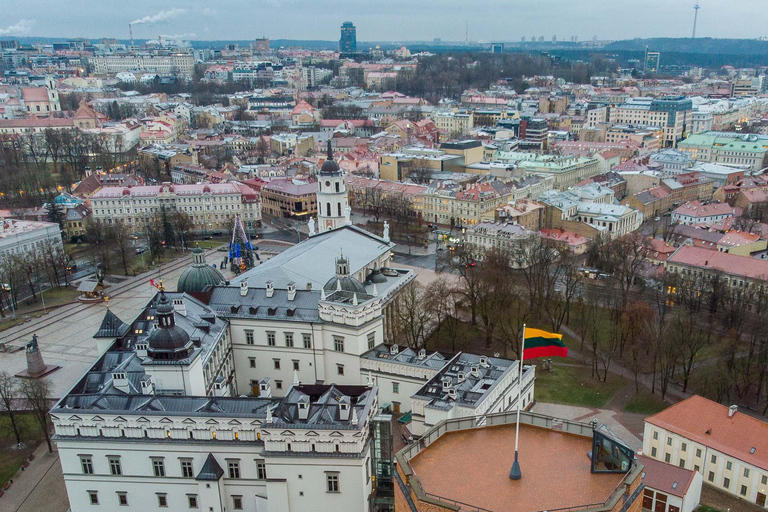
187	470
234	468
261	469
332	480
87	464
338	344
114	466
158	467
307	338
371	340
93	497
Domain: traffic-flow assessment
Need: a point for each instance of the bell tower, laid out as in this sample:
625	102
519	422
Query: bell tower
332	202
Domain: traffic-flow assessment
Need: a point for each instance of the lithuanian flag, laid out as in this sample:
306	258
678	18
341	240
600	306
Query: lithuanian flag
540	343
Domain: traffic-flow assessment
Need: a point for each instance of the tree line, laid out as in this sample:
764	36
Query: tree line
707	336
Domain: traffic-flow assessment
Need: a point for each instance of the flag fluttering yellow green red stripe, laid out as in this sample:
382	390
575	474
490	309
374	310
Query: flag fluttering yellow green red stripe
538	343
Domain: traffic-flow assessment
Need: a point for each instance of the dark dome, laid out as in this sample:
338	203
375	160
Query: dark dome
168	340
199	276
330	167
345	283
376	277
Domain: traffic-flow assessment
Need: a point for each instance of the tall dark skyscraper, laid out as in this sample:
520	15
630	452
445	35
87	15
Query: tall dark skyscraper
348	41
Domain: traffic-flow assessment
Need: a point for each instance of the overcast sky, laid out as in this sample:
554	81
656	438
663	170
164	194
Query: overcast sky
389	20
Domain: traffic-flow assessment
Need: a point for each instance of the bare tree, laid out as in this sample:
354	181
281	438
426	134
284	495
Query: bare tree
119	240
463	261
9	392
38	392
412	316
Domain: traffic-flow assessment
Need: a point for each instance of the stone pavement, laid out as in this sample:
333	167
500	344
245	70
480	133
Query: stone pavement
612	419
65	334
40	487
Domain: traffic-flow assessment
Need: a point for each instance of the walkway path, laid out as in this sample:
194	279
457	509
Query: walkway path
673	394
40	487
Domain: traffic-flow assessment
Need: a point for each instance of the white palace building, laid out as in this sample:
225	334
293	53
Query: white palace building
270	393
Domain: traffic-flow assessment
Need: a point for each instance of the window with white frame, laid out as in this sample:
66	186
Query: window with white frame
332	482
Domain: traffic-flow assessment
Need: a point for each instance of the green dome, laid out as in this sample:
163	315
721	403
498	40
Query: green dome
200	275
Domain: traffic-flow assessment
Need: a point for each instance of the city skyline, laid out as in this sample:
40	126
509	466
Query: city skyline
398	20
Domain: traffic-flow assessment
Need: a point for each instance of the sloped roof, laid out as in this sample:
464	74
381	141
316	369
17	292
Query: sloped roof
111	326
664	477
211	469
740	436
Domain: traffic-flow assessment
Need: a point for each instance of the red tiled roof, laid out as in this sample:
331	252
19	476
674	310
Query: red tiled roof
696	209
561	235
34	93
35	122
742	266
707	422
736	238
755	195
663	477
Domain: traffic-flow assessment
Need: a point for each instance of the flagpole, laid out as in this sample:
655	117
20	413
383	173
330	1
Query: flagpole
515	473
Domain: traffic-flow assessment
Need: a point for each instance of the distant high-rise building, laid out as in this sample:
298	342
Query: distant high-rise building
497	47
652	60
348	41
522	39
541	39
261	45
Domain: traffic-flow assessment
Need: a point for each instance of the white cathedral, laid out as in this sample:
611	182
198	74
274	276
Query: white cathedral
267	393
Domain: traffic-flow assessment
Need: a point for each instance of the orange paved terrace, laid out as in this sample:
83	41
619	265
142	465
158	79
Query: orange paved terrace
473	466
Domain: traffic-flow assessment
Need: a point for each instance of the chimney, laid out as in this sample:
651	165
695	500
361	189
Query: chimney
291	290
304	407
244	288
309	287
732	410
120	381
179	306
394	349
147	387
268	419
270	289
265	390
344	411
422	354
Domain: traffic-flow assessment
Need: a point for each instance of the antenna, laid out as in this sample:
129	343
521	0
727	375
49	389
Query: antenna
130	30
466	30
695	17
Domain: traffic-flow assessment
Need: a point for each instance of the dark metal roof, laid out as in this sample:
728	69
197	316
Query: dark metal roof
111	326
210	470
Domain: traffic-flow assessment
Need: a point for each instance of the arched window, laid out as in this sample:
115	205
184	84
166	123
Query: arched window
328	209
338	205
337	186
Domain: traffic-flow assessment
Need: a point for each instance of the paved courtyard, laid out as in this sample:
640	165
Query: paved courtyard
65	335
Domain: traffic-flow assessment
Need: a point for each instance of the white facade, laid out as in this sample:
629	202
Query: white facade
210	206
24	237
183	63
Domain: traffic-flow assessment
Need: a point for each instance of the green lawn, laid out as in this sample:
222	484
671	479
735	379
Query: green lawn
707	508
645	403
12	458
55	297
574	385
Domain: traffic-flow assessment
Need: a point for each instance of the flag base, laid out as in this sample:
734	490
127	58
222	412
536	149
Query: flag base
514	473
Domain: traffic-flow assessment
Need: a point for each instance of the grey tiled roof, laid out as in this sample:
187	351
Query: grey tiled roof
211	469
313	260
406	356
227	302
471	391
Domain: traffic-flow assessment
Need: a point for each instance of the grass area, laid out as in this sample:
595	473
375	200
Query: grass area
574	385
28	309
645	403
707	508
13	457
141	262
